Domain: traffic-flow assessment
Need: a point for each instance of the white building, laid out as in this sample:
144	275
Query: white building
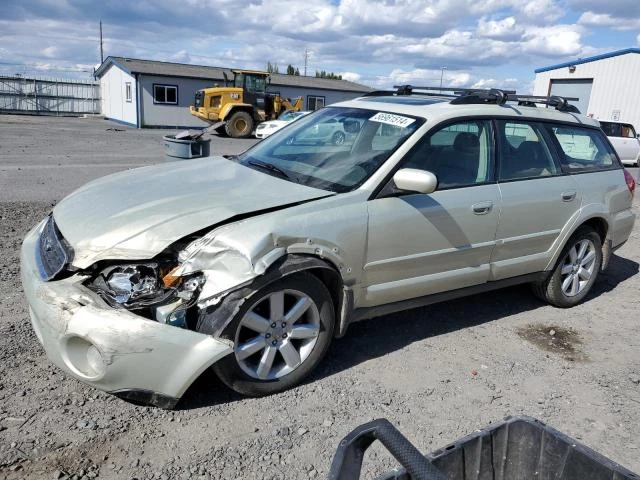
146	93
607	85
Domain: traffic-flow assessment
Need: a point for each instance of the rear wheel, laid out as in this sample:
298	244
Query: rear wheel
280	334
575	272
240	125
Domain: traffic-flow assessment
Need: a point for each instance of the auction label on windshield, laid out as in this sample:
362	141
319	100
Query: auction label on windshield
391	119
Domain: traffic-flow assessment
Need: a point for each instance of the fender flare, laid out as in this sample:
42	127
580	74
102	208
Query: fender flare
220	315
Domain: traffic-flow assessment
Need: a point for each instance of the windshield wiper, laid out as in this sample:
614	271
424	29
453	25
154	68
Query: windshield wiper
270	167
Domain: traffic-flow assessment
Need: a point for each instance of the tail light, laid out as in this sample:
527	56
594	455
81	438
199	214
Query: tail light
631	183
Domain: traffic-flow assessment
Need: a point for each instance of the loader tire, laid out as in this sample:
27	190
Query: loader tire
240	125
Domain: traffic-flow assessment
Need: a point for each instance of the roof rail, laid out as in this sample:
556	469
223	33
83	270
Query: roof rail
467	96
560	103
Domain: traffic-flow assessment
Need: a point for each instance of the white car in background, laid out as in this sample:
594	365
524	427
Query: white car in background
624	139
265	129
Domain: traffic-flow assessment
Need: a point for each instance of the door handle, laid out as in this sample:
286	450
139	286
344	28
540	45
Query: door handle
482	208
568	196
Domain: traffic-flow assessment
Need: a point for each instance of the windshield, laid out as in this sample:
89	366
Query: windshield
334	148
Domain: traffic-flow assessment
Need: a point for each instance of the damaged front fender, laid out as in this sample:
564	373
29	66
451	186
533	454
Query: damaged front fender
240	258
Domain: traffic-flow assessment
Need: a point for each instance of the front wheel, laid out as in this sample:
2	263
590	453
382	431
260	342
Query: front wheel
575	272
279	335
240	125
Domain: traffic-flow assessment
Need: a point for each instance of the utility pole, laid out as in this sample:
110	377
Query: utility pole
442	69
306	58
101	51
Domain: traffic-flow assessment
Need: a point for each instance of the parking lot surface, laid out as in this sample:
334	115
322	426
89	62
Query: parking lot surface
437	373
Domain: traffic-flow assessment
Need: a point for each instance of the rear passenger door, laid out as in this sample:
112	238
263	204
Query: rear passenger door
539	201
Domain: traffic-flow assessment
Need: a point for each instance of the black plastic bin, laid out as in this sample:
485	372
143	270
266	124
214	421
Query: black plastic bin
518	448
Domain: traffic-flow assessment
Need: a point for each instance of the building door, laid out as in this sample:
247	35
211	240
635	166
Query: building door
577	88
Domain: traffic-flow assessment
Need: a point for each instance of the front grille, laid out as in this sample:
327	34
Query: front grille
52	252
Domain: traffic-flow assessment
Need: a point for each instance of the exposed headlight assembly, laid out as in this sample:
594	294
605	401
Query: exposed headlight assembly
148	288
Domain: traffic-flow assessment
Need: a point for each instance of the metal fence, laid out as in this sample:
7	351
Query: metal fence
49	96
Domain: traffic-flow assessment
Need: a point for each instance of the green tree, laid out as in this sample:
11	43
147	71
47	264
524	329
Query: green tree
291	70
272	67
329	75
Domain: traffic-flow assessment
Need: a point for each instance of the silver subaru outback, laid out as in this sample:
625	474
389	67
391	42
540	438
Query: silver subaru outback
251	264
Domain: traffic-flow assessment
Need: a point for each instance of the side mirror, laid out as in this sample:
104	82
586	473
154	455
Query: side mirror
414	180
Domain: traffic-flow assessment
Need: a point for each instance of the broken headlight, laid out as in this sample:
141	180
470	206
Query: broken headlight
148	288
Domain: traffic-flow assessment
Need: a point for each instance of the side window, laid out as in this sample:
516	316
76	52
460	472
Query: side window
458	154
314	102
628	131
583	149
611	129
523	152
165	94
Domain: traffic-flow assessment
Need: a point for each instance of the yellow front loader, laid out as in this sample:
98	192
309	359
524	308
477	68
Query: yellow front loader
235	110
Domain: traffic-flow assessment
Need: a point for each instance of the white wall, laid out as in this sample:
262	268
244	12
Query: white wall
113	89
616	86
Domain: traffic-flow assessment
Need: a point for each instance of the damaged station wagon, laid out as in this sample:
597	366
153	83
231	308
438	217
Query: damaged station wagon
251	264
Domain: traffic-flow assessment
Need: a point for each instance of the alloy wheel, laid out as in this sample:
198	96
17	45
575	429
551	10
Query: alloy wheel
277	334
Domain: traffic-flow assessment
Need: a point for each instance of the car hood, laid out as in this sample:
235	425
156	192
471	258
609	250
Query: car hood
275	123
138	213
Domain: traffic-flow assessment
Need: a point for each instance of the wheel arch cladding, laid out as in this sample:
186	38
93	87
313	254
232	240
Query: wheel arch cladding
215	318
600	226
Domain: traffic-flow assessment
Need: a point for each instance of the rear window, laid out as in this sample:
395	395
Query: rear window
583	149
612	129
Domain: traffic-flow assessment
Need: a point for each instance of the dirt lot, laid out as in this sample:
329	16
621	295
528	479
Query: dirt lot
437	373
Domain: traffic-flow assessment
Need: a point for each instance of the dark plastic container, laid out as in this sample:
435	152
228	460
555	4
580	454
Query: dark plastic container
518	448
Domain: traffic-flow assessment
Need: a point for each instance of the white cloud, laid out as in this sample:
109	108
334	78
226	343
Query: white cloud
181	56
499	29
540	11
351	76
50	52
606	20
555	41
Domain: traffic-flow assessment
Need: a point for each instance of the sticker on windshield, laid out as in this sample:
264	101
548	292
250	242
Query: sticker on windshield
391	119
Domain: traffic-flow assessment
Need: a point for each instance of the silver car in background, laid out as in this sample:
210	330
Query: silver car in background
251	264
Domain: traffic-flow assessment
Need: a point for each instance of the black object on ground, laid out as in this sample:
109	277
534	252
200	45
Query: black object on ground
519	447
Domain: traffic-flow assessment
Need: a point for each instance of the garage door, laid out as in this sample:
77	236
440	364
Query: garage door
574	88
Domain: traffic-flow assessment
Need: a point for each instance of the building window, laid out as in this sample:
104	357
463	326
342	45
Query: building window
127	91
314	103
165	94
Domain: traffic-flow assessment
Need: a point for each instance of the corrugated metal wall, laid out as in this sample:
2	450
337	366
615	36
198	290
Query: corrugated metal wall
49	96
616	86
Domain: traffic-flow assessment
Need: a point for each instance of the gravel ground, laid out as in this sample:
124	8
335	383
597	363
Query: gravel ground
437	373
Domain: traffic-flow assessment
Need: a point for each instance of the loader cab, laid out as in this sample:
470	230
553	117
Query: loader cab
254	86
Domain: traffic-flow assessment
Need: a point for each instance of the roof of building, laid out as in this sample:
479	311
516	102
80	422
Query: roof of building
588	59
152	67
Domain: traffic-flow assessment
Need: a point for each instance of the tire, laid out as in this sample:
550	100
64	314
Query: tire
575	272
269	354
337	138
240	125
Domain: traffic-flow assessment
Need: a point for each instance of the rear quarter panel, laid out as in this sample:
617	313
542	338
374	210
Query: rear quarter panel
605	194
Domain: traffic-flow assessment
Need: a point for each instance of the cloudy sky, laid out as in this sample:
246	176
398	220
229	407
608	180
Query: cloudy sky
375	42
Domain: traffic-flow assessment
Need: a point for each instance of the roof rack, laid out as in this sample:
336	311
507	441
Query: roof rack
467	96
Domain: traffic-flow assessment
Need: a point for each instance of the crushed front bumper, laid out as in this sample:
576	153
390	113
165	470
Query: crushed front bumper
109	349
